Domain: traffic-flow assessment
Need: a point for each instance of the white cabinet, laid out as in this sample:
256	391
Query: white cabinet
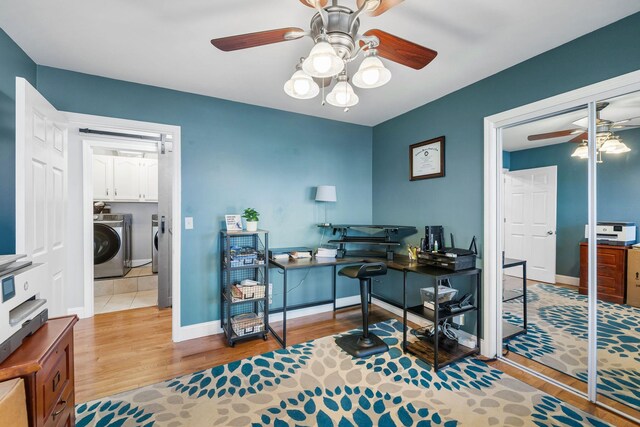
149	179
126	178
130	179
102	177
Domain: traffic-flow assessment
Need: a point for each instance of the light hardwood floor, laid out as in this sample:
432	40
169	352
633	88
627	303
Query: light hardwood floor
120	351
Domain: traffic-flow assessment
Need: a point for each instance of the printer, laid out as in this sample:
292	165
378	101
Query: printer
614	233
23	309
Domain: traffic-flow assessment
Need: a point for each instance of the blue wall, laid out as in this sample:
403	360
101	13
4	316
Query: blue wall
618	192
456	201
236	156
13	62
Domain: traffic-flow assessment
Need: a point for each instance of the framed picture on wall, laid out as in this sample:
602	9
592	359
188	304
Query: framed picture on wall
426	159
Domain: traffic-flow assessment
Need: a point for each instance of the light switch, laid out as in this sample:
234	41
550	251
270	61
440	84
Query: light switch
188	223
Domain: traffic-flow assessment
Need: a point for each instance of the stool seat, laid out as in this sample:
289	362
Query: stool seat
360	271
365	343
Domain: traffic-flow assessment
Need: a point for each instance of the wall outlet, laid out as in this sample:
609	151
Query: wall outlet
188	223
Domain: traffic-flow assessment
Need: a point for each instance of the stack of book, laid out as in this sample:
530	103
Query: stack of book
300	254
326	252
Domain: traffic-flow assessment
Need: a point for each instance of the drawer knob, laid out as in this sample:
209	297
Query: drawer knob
61	410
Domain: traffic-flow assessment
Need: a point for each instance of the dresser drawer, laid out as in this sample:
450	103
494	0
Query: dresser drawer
55	378
62	414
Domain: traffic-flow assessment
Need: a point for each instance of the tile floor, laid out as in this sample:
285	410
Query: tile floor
139	288
126	301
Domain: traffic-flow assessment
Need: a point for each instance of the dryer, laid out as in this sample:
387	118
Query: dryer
154	243
111	245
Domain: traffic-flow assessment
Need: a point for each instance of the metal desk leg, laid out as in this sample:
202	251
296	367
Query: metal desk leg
404	311
436	320
284	311
333	283
524	291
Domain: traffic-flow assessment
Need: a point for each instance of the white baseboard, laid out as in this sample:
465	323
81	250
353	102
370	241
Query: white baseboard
78	311
200	330
567	280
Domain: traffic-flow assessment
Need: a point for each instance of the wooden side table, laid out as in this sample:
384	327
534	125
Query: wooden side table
45	362
612	272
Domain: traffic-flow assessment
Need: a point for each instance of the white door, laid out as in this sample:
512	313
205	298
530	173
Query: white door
530	221
126	178
165	230
102	177
41	188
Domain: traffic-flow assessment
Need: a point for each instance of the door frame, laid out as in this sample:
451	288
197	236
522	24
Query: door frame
493	208
507	207
85	120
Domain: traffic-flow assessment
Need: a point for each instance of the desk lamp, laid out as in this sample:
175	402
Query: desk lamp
326	194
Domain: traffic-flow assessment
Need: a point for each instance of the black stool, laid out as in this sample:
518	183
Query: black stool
366	344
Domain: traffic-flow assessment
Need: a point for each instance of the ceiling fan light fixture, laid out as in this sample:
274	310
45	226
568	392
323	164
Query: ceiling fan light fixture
581	152
372	73
301	86
620	148
342	95
323	61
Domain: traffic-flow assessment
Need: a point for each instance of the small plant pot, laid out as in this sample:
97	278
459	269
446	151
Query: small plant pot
252	225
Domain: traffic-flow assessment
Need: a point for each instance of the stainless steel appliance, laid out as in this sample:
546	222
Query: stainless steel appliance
111	245
154	243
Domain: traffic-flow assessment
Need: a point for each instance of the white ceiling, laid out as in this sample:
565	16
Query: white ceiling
619	109
167	43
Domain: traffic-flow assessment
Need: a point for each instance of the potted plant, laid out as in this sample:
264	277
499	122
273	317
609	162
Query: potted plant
251	215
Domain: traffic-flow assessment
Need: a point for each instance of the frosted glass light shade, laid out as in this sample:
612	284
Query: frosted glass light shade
372	73
301	86
621	147
342	95
326	193
323	61
581	152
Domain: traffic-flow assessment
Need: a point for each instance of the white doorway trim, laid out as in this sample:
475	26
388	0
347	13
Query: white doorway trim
84	120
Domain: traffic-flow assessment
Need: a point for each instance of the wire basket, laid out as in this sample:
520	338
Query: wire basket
246	290
247	323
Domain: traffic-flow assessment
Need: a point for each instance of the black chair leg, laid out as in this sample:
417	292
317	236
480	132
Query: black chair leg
365	344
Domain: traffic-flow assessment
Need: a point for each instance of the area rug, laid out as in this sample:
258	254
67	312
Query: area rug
317	384
557	337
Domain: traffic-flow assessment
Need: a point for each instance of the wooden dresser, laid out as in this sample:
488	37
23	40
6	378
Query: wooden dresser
45	362
612	272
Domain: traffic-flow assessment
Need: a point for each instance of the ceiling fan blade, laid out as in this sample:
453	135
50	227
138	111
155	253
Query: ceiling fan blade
556	134
619	122
261	38
382	7
312	3
579	138
402	51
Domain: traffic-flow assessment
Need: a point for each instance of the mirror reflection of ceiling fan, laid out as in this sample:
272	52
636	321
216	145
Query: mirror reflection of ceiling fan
606	140
335	31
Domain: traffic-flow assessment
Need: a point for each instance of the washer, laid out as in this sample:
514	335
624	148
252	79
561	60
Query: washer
111	245
154	243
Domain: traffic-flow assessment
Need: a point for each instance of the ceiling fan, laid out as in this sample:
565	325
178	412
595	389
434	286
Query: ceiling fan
334	30
606	140
602	126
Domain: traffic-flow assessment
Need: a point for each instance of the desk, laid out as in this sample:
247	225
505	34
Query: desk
399	263
301	263
509	330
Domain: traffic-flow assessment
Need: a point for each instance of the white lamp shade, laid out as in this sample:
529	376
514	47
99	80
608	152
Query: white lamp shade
301	86
621	147
323	61
326	193
371	73
342	95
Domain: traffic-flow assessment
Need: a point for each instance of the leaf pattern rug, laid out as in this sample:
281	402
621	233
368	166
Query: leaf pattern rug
557	337
317	384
